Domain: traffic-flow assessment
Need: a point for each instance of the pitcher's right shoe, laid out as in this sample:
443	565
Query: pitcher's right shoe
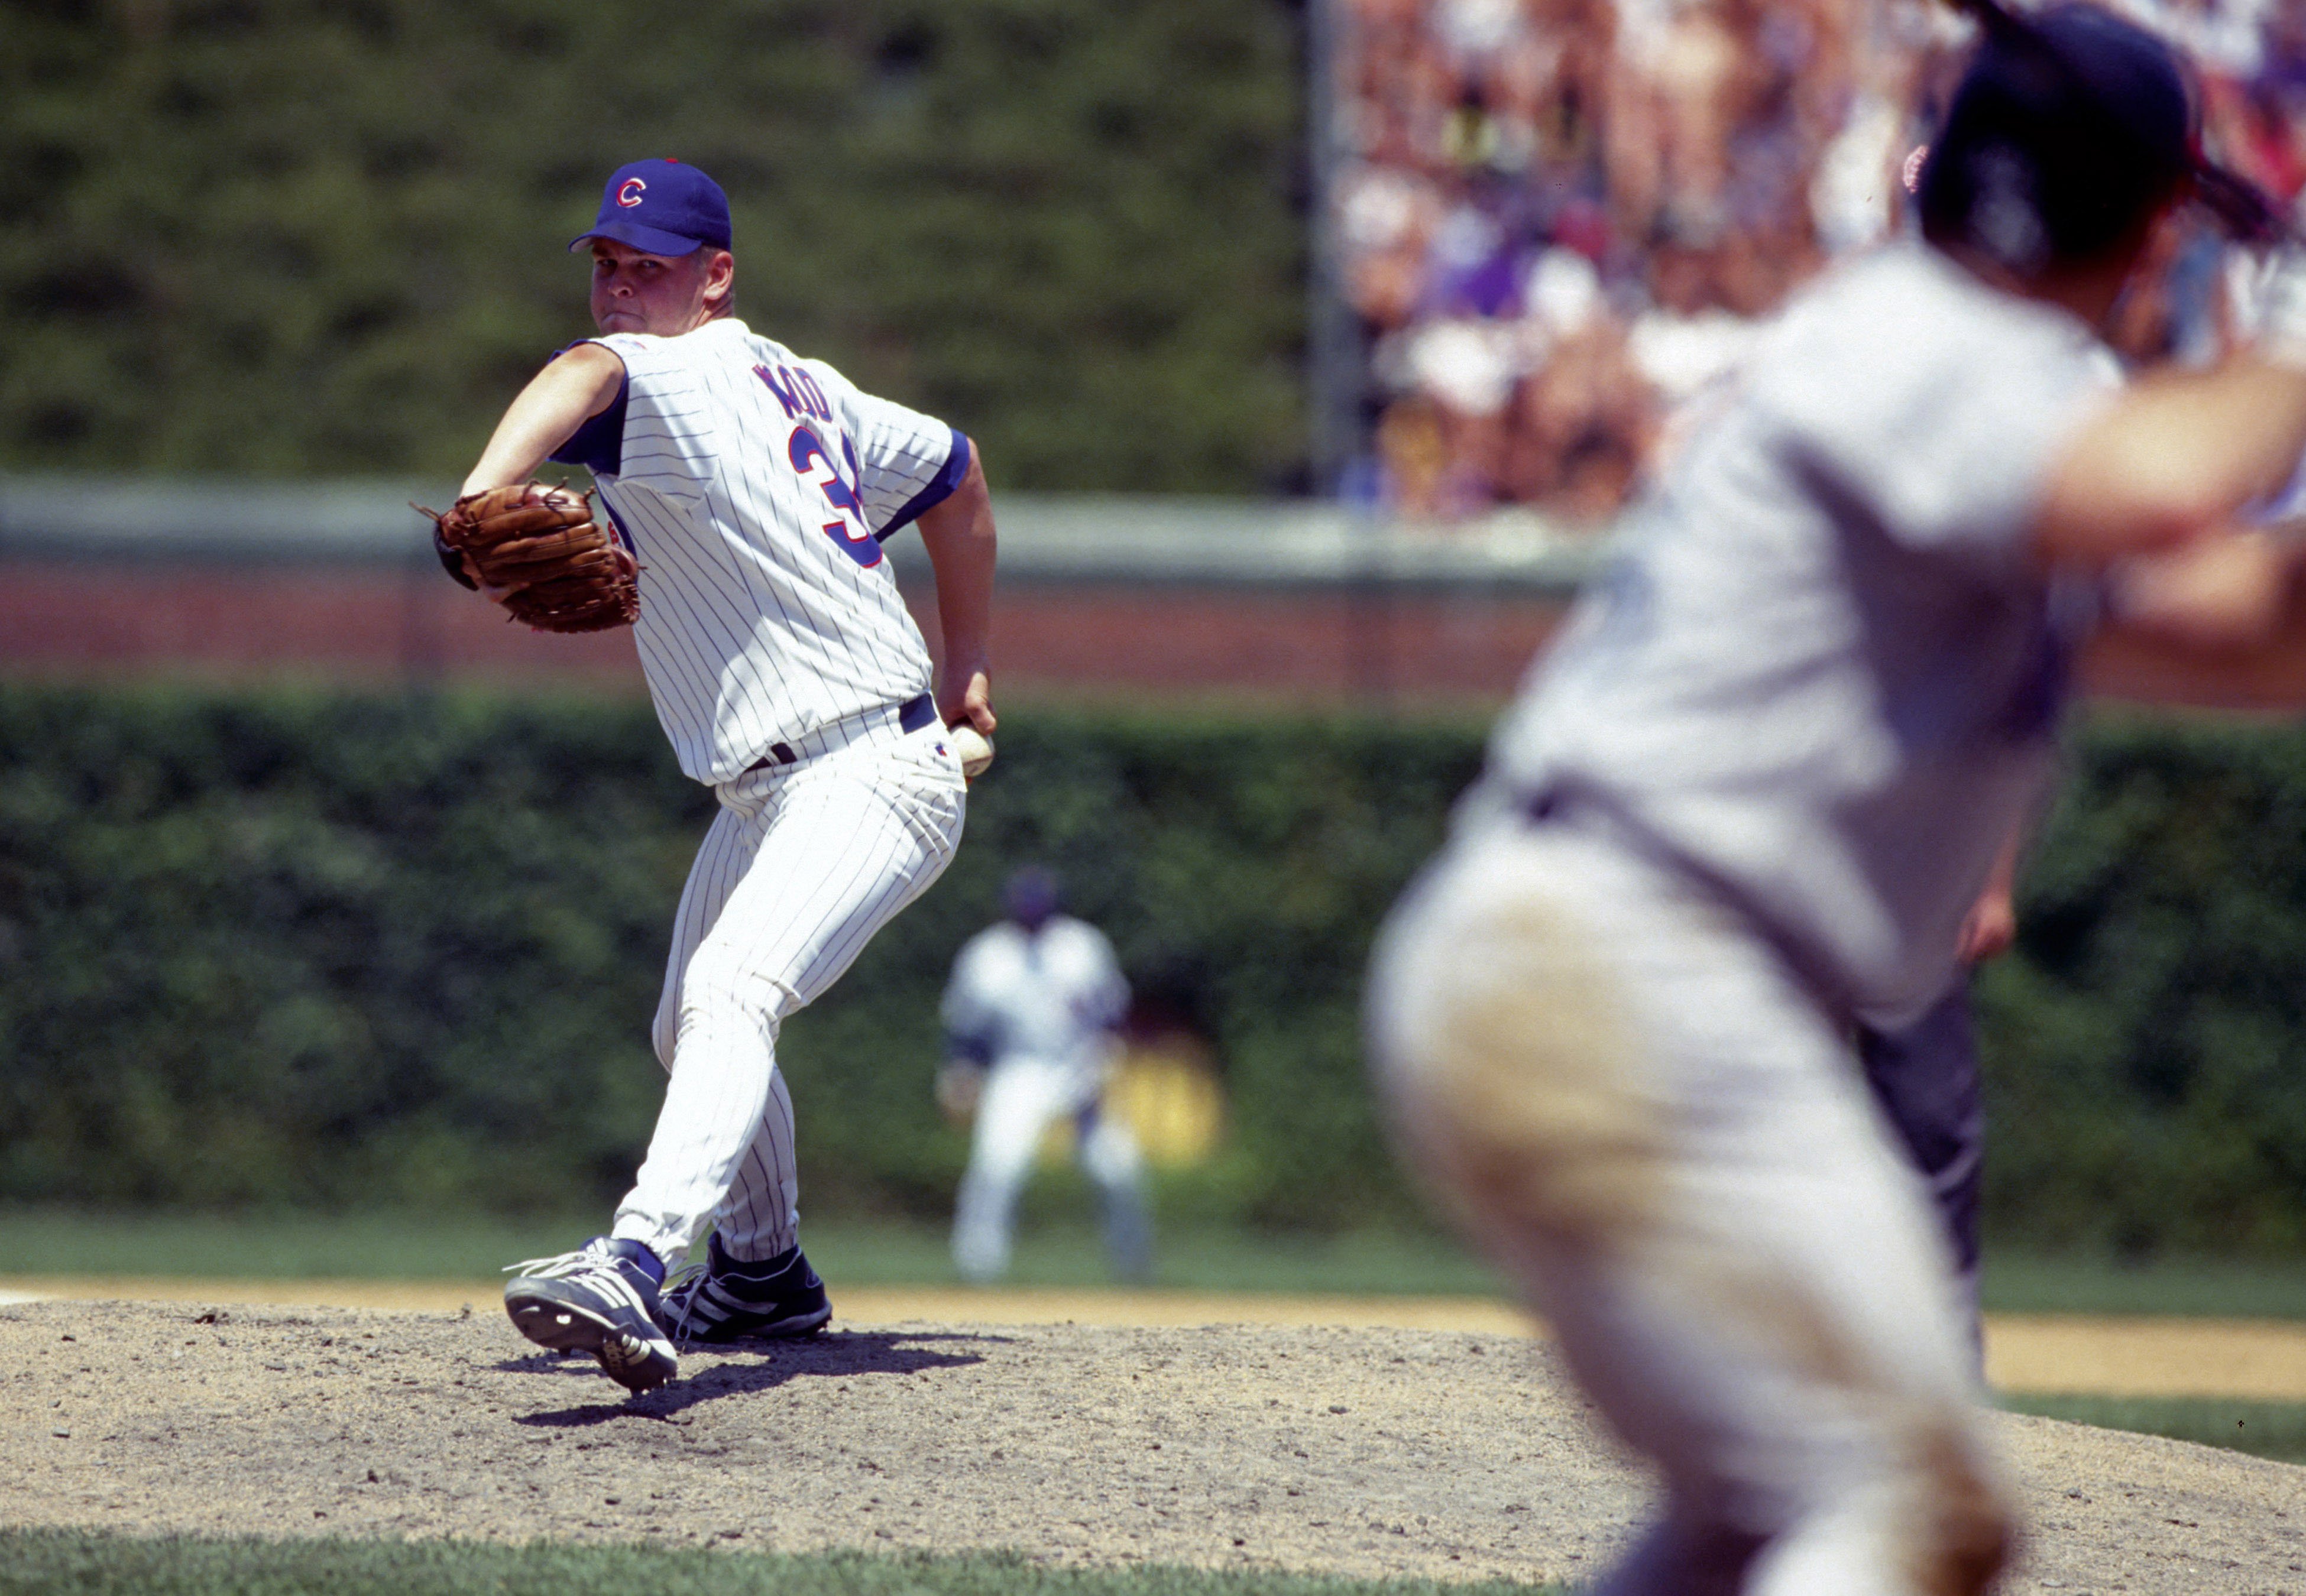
601	1299
725	1300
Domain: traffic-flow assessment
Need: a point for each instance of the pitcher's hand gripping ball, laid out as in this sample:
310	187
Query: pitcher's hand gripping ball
538	552
975	748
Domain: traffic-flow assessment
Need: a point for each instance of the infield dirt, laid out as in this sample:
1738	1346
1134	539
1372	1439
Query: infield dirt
1369	1451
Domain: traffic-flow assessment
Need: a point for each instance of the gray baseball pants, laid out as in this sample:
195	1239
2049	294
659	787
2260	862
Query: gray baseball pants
1634	1106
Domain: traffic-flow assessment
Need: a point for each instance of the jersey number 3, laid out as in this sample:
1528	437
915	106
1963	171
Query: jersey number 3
815	464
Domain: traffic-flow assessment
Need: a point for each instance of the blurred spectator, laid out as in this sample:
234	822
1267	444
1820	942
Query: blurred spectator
1561	221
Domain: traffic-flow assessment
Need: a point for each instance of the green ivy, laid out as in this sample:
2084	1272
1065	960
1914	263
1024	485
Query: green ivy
338	950
289	238
2147	1058
264	948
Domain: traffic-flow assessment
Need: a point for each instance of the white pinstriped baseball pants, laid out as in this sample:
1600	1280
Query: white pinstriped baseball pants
802	864
1627	1098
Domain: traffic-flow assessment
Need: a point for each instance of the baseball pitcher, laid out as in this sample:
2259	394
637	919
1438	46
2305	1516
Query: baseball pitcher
748	493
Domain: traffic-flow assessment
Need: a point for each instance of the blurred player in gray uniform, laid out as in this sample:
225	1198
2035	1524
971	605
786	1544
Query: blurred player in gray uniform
1745	803
1032	1014
756	489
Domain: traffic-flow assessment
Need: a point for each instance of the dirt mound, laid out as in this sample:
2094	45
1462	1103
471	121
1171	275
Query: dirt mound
1358	1451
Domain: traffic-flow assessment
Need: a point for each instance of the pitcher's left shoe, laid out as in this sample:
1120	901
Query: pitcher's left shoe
724	1300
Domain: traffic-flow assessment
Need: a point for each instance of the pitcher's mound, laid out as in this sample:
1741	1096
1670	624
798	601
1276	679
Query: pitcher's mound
1353	1451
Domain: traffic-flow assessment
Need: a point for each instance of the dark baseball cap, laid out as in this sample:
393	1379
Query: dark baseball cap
2139	79
2069	127
662	207
1032	894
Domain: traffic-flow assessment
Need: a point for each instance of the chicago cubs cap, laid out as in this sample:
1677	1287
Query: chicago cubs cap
660	206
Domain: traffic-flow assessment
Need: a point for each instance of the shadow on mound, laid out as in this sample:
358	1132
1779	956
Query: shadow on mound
840	1353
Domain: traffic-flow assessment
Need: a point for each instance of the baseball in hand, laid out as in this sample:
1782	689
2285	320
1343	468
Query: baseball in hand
975	748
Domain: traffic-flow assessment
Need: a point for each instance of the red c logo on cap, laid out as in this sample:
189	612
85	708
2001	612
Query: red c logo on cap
628	195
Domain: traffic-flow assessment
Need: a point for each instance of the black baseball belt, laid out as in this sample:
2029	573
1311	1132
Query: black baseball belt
911	715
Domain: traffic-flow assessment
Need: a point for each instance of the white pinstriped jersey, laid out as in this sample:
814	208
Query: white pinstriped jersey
755	487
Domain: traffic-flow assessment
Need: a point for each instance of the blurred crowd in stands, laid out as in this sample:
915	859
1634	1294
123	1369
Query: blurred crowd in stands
1558	221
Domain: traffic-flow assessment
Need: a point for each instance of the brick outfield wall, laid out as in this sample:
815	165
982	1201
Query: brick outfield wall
385	625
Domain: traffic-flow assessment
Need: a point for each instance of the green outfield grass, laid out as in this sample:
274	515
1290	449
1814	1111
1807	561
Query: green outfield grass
89	1565
2019	1282
2270	1430
1059	1250
1063	1252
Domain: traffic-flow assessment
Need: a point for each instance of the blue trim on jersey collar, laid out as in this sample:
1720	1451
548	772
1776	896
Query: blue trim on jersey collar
940	489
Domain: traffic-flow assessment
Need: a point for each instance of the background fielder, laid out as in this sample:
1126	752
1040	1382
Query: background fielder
1030	1016
1753	793
755	487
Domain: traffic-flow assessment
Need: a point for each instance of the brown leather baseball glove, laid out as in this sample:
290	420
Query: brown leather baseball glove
538	551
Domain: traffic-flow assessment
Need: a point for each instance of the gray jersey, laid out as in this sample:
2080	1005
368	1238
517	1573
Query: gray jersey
1825	674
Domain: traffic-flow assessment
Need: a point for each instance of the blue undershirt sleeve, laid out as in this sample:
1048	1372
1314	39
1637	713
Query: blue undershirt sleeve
940	487
598	444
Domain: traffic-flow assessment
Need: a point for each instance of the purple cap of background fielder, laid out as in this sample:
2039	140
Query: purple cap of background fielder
1032	895
662	207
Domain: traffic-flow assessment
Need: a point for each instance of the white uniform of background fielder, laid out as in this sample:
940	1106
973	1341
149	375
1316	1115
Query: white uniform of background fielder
1039	1006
